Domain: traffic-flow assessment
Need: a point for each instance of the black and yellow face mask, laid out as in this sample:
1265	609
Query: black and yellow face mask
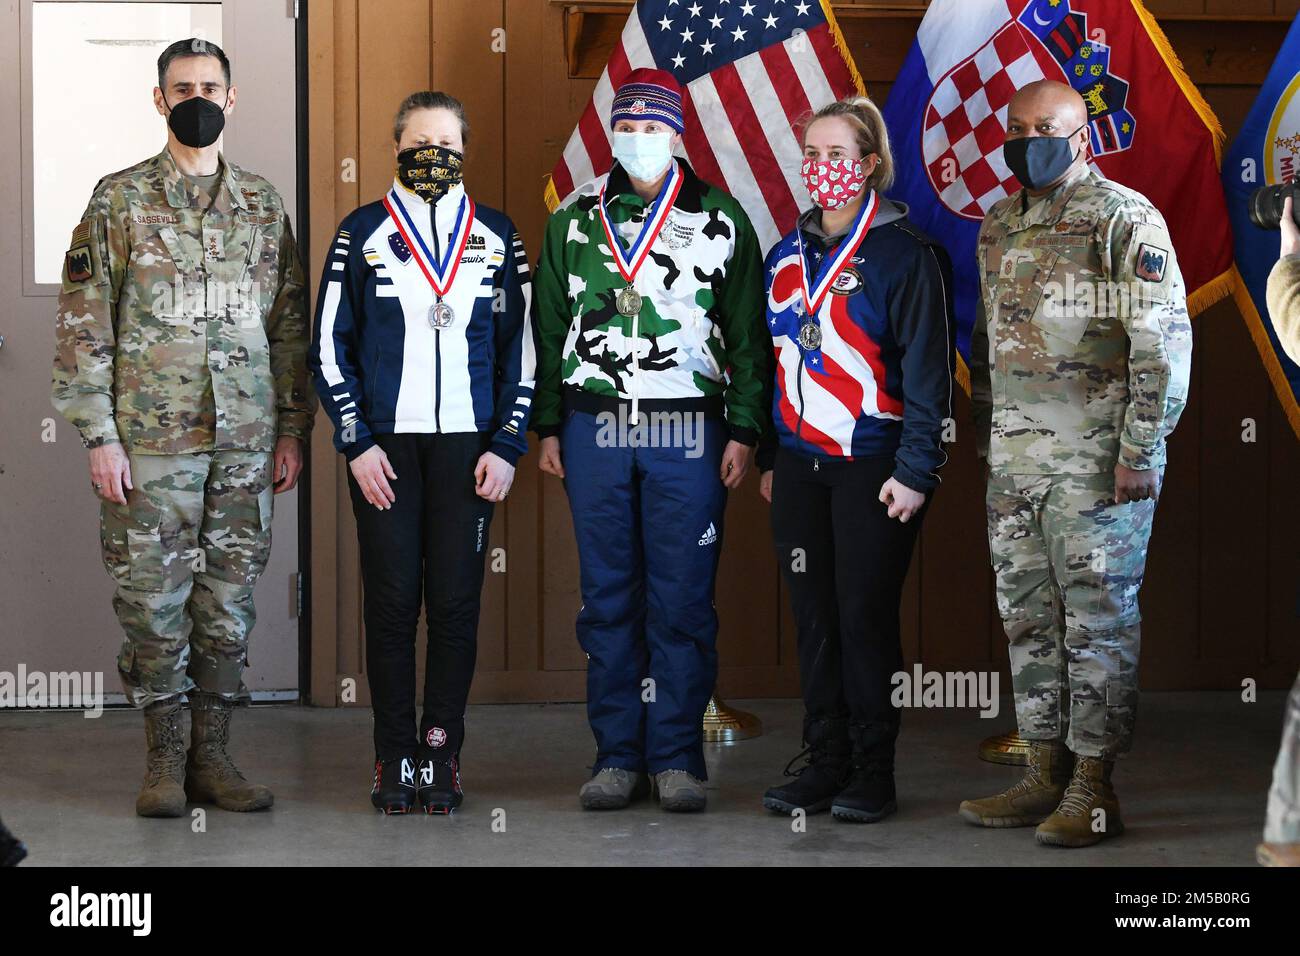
429	171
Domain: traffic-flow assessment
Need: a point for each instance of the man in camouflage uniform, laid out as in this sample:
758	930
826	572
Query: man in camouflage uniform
1281	846
181	360
1080	362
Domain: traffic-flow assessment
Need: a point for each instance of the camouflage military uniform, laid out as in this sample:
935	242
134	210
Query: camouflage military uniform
182	334
1080	359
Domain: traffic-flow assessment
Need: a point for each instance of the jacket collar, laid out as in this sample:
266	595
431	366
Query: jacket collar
619	188
444	205
181	193
1046	210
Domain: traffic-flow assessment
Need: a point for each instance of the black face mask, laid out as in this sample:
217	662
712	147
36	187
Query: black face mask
429	171
197	122
1039	161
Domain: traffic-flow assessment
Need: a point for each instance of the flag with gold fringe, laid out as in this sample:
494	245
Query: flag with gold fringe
750	71
1151	129
1266	153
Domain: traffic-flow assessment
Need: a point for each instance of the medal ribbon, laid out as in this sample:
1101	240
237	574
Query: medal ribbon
440	275
629	265
834	265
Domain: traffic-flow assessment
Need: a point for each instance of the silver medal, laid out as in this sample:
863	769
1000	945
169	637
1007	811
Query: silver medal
810	336
441	315
628	301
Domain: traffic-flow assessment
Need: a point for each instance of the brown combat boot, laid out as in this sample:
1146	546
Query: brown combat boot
1089	811
1278	854
163	791
1031	800
210	774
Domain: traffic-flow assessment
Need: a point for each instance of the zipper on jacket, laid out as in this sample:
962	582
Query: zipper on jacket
636	370
437	380
798	384
437	333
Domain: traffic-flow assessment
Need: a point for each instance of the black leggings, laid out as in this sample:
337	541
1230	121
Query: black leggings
430	545
844	561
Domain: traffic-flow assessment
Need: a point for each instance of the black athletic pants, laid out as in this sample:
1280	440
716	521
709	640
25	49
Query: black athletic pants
429	546
844	561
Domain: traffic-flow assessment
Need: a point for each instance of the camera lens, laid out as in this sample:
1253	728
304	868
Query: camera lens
1266	205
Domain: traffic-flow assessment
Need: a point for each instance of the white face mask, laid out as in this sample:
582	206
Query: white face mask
645	156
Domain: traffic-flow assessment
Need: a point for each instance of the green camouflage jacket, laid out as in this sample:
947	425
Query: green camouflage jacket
183	328
700	332
1082	348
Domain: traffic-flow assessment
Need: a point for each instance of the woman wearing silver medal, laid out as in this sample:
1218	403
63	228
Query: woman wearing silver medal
860	318
423	357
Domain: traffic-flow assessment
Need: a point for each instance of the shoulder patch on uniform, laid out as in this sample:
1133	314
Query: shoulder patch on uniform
80	233
79	264
1152	261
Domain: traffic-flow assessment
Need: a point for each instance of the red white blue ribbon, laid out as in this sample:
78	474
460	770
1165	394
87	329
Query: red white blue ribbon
629	261
440	275
834	265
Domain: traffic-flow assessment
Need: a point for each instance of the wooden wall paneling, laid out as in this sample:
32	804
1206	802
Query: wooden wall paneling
563	100
394	62
464	64
956	576
323	471
746	599
525	154
1169	600
1239	7
347	145
1233	538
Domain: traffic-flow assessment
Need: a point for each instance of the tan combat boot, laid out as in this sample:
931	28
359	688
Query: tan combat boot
210	774
1032	799
163	792
1089	811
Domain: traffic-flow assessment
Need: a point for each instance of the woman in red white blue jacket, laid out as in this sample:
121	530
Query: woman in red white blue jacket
861	318
423	358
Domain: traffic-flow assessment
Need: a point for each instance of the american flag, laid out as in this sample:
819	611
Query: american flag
750	70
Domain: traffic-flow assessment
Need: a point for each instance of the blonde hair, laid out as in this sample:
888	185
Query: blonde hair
871	132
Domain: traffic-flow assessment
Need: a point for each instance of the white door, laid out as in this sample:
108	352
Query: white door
78	104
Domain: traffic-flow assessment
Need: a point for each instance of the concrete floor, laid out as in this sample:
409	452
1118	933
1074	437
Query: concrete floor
1193	793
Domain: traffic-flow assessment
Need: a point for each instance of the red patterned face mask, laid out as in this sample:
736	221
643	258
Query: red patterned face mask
834	183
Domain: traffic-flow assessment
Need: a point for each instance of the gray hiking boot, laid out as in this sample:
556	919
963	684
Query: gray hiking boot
613	789
679	791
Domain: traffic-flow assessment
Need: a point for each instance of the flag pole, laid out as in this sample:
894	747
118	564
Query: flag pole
725	725
1011	749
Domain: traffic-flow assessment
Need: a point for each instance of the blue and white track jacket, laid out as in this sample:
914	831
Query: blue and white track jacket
379	364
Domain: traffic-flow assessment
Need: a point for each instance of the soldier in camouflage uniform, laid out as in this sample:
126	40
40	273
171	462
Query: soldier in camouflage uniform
1080	362
181	360
1281	846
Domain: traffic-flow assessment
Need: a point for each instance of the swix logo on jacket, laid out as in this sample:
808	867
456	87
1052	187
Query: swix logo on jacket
879	344
385	360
